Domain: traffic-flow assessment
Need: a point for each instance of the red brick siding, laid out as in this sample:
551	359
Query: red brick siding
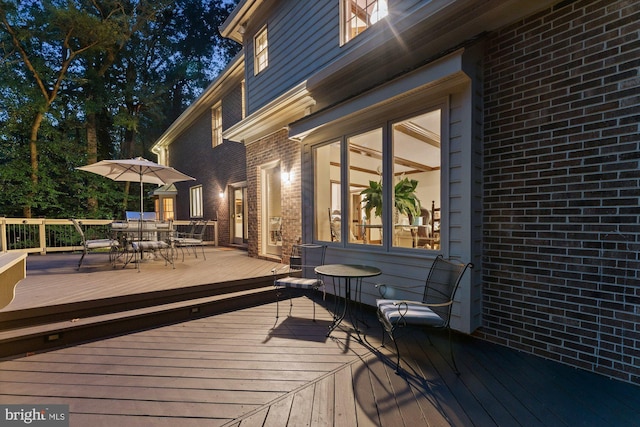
272	148
561	186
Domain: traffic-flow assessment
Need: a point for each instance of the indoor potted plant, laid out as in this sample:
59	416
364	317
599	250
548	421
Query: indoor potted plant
405	199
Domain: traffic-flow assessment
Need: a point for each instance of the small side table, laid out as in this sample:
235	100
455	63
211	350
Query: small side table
347	272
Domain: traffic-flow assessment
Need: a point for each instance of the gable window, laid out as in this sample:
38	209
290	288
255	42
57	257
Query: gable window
216	125
195	202
358	15
261	51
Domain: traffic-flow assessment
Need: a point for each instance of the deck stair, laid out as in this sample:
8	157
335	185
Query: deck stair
42	329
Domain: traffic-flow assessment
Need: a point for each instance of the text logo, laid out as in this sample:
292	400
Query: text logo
34	415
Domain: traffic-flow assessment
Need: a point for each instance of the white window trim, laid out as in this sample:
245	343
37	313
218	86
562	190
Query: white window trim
345	37
196	209
216	125
243	90
257	55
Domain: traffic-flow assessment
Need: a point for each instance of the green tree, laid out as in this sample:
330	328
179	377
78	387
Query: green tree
83	80
45	40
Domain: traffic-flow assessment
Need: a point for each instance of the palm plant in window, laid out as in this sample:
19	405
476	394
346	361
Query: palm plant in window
405	200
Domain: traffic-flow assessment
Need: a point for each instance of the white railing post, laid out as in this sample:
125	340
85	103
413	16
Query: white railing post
3	234
42	236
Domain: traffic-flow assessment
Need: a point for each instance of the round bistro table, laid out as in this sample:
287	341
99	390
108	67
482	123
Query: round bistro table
346	273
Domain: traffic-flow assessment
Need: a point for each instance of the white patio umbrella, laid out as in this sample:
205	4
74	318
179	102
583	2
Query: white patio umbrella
137	170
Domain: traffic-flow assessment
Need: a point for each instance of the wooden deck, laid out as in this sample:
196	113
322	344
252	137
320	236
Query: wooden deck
242	368
52	279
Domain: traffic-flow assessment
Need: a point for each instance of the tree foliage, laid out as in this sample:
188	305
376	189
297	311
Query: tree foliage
84	80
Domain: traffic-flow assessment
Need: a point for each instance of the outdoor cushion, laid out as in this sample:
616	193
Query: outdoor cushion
150	245
412	313
101	243
187	241
298	282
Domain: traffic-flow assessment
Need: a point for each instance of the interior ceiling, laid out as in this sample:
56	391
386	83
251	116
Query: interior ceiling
416	144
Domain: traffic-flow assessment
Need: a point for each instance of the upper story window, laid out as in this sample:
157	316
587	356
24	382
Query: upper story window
261	51
243	90
195	202
358	15
216	125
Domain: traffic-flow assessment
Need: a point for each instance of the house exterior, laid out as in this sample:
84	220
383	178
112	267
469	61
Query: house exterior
518	121
193	144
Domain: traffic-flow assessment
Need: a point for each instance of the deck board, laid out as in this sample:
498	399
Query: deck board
243	368
52	279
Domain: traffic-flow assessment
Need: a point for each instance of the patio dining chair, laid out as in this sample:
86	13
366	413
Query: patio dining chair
91	244
430	311
302	262
192	239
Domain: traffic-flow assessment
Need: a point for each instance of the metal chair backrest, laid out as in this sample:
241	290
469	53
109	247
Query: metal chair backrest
200	229
441	285
78	228
191	228
306	257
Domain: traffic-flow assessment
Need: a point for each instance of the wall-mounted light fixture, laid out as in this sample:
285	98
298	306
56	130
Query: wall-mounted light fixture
287	177
222	194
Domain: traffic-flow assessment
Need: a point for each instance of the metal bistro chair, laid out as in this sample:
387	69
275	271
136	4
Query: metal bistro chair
192	239
304	258
90	244
432	311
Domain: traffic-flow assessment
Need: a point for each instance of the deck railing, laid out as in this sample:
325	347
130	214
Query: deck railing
42	235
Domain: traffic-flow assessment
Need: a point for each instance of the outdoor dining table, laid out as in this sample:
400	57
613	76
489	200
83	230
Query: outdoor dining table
146	236
346	273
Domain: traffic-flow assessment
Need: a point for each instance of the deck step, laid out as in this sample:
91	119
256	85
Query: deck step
33	316
26	340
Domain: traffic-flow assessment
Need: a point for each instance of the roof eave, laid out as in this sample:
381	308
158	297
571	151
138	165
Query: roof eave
204	102
235	25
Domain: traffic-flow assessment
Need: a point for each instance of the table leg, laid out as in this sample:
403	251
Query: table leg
348	306
338	318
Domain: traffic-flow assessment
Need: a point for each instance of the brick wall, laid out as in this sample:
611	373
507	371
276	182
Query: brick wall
561	186
214	167
275	147
227	167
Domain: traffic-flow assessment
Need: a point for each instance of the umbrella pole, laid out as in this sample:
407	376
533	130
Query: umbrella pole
140	224
141	198
141	211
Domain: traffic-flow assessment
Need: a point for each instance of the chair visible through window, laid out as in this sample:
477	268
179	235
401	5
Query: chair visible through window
431	311
302	262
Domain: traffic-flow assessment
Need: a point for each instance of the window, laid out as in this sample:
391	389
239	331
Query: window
358	15
261	51
167	209
243	91
365	187
366	212
216	125
195	202
328	169
416	162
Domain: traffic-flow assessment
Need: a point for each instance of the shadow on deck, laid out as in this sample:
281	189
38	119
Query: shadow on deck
240	367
